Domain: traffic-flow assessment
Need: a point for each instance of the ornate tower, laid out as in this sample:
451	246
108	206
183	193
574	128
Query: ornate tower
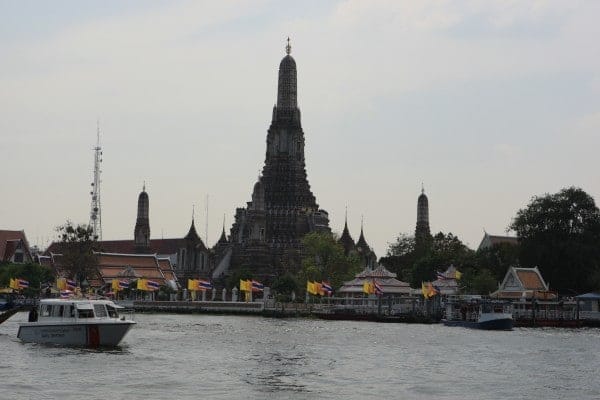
422	233
267	234
141	233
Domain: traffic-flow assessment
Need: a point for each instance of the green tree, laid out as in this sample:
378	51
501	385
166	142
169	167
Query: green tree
400	256
478	281
284	285
36	274
77	244
324	259
560	233
446	250
498	259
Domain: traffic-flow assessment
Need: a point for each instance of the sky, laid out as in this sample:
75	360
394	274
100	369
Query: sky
485	103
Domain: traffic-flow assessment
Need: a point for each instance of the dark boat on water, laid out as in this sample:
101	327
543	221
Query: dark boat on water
477	313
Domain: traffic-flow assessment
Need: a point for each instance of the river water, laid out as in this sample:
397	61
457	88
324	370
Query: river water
168	356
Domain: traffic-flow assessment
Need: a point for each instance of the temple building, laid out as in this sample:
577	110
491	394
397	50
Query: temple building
14	247
266	236
386	279
188	256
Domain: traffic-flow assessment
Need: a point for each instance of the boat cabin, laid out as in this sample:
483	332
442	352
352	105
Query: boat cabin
55	309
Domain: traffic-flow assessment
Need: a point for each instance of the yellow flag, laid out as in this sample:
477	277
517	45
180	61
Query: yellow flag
115	285
368	288
192	284
246	286
13	284
318	288
309	287
141	284
457	275
431	290
61	283
424	290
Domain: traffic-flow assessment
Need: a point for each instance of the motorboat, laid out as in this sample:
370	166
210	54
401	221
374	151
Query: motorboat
75	322
478	314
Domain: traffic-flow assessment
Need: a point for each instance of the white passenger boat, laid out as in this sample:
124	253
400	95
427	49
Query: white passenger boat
75	322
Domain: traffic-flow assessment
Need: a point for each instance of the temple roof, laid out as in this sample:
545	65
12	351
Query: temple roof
386	279
379	272
223	238
346	238
192	234
9	241
523	283
492	240
362	243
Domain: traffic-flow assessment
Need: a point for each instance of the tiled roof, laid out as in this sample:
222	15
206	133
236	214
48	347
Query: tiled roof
389	285
167	269
379	272
492	240
527	294
7	239
380	275
530	279
131	266
158	246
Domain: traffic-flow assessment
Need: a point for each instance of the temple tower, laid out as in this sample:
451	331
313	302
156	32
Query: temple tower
141	233
268	232
422	232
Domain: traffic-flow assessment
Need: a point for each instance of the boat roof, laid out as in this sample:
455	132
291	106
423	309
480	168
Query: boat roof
78	301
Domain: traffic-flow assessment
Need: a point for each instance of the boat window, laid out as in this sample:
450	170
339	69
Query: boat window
100	310
70	311
112	312
57	310
45	311
85	313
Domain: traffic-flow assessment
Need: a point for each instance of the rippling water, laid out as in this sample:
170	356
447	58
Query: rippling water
234	357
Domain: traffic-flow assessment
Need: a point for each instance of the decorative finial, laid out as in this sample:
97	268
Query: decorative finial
288	47
422	188
346	216
193	211
144	187
361	223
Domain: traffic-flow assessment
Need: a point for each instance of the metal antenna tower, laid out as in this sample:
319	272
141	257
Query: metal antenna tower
95	212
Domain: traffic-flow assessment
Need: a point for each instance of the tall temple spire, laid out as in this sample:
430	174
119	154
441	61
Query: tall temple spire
287	88
141	232
267	234
422	232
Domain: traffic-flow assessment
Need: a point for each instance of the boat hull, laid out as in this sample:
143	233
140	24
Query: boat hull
497	324
88	334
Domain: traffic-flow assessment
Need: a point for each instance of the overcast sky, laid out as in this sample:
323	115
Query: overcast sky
487	103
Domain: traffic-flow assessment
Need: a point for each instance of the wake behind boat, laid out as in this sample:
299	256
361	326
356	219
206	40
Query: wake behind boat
478	314
75	322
